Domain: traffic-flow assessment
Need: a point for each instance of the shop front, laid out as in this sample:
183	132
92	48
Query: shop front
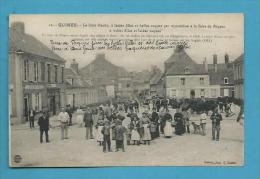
53	98
33	99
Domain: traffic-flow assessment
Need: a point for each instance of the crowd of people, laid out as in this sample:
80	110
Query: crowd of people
122	121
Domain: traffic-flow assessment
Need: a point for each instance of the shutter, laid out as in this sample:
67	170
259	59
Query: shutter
51	73
40	101
30	71
39	72
23	68
33	101
46	72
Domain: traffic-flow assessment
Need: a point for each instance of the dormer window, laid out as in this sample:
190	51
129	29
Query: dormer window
226	80
186	70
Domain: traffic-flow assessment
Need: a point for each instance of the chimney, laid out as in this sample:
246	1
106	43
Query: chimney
205	64
18	26
215	62
75	66
100	56
226	59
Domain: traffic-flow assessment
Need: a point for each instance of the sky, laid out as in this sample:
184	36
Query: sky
39	26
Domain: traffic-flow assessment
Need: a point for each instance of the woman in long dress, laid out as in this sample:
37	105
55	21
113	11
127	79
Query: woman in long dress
147	134
99	135
168	125
79	118
134	125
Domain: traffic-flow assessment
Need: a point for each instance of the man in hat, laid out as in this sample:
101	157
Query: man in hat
43	122
64	123
88	119
215	118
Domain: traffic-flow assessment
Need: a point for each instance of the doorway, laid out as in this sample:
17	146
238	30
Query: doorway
26	107
192	93
52	106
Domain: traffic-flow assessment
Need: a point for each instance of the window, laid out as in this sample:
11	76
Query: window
35	71
226	92
186	70
183	91
36	101
42	71
173	93
119	86
62	74
238	72
56	73
226	80
213	93
182	81
49	72
202	92
202	81
26	70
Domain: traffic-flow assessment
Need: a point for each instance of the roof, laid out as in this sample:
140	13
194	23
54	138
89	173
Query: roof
77	83
217	78
156	78
26	43
70	73
179	61
239	59
100	67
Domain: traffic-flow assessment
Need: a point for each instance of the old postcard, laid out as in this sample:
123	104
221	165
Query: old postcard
126	90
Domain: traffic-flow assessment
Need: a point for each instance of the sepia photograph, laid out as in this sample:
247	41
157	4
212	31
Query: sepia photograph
100	90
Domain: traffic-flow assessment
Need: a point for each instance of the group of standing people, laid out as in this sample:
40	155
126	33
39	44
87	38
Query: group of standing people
138	130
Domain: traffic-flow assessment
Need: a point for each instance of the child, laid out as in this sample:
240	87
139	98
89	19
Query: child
106	137
99	136
120	131
203	118
135	134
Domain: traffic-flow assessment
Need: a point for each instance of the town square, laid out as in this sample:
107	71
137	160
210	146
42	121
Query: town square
185	108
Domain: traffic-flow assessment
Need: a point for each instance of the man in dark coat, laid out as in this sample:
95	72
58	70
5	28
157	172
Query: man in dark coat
88	119
216	118
126	106
158	104
43	122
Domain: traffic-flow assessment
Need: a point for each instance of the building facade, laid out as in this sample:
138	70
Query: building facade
36	76
79	92
239	77
184	78
222	74
157	85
